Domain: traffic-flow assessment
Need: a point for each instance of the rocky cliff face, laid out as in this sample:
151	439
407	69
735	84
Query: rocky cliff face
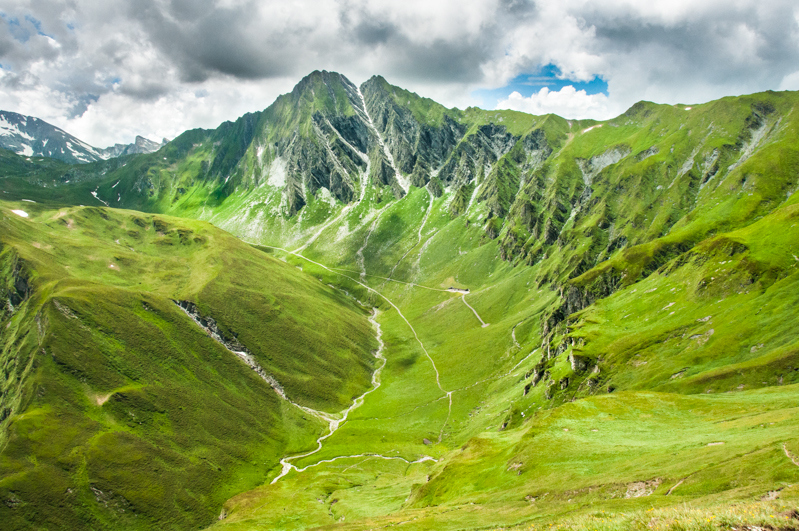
330	134
418	146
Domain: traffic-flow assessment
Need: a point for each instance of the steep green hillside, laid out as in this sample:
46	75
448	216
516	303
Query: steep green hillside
119	409
575	316
643	367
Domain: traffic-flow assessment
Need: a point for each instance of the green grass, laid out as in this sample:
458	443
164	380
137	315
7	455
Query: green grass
625	269
565	466
121	409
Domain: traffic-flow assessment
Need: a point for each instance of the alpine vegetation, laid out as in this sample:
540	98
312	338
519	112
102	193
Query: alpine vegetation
358	309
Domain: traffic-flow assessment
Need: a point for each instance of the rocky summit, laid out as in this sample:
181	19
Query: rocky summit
359	309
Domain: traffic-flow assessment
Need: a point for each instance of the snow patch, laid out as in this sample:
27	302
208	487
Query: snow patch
327	197
9	129
95	196
20	213
592	127
277	173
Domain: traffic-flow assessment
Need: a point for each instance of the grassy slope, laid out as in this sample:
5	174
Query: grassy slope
123	411
635	354
410	407
369	487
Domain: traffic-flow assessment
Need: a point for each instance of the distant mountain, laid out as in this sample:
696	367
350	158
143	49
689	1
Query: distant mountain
140	145
32	137
29	136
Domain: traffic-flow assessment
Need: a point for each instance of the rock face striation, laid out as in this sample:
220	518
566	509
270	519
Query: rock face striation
208	324
332	137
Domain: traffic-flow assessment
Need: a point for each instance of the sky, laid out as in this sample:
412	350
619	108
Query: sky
108	70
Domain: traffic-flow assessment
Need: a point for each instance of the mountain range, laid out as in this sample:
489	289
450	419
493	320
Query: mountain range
32	137
358	308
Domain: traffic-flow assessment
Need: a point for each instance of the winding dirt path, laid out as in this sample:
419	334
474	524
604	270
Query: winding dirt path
483	323
285	462
370	455
793	459
675	486
335	423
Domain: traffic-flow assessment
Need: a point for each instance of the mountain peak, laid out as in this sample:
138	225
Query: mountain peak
33	137
318	79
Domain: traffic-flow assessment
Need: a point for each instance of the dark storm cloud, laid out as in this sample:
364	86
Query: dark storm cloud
371	33
709	46
203	40
438	61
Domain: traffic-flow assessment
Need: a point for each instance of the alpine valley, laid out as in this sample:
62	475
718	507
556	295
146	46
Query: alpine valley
358	309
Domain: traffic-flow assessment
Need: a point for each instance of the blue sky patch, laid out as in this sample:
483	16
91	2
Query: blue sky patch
38	25
528	84
19	33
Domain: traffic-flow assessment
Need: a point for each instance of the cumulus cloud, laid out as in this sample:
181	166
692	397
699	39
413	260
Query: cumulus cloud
566	102
110	69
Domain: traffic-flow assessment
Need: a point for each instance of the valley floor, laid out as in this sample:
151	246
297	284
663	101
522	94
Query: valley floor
452	440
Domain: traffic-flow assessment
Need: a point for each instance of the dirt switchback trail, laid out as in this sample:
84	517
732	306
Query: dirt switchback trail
483	323
415	335
341	418
286	464
793	459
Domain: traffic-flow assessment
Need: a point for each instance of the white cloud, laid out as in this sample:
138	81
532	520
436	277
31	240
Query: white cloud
566	102
790	82
206	105
107	70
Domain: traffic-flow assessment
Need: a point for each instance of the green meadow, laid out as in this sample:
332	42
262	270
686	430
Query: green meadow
626	355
